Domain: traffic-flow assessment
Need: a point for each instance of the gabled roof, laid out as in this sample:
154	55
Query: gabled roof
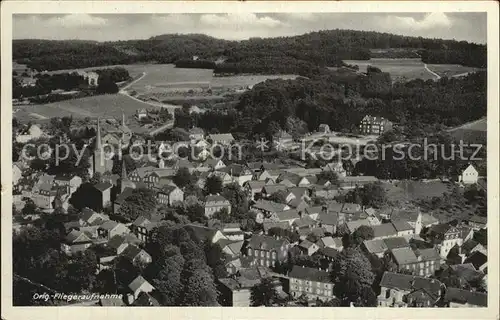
266	242
221	137
429	254
306	244
464	296
76	236
256	184
266	225
375	246
270	206
272	188
215	199
478	219
355	224
477	259
351	208
103	186
132	251
328	218
288	215
236	170
383	230
410	283
328	252
404	256
109	225
201	233
137	283
297	202
401	225
314	210
305	221
310	274
467	271
396	242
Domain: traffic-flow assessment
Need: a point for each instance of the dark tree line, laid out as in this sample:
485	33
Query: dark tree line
323	48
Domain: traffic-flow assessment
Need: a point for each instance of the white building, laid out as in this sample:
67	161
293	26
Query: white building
469	175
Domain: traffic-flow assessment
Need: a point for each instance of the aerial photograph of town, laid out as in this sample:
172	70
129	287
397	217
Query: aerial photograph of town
250	160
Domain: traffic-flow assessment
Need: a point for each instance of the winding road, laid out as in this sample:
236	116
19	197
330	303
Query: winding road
433	73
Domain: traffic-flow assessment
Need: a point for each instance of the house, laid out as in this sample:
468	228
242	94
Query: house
104	194
169	195
314	212
469	175
206	234
288	216
423	262
328	253
379	247
307	247
76	241
329	242
477	222
221	138
324	128
355	224
305	232
268	207
137	255
143	226
196	134
266	250
336	167
239	173
212	164
34	132
254	188
139	285
466	274
223	176
292	180
350	182
236	290
119	242
458	298
270	189
215	203
267	225
305	222
314	283
479	260
328	221
71	182
141	114
384	230
111	228
446	235
402	290
374	125
403	228
282	138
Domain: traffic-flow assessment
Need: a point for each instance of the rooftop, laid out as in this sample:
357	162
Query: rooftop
310	274
466	297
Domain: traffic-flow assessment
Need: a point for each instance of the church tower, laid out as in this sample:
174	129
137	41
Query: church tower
99	157
418	223
124	181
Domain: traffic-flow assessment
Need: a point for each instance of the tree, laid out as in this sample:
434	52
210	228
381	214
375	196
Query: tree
29	208
329	176
183	178
237	197
106	85
213	185
81	272
222	215
361	234
168	281
264	293
199	286
142	201
353	278
374	195
279	196
216	259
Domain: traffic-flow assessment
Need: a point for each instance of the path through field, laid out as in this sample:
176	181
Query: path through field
432	72
124	92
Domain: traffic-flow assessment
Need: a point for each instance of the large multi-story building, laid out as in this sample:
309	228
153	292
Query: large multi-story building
215	203
374	125
402	290
266	250
314	283
423	262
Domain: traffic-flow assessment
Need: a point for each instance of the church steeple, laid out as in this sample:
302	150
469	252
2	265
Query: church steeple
98	135
124	171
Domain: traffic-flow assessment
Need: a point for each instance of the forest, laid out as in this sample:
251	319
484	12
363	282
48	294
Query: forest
322	48
341	99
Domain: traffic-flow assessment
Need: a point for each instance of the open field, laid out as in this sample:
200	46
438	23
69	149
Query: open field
415	190
399	69
111	105
472	132
451	70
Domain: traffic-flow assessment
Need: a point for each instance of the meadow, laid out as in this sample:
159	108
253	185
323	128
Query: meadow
450	70
111	105
399	69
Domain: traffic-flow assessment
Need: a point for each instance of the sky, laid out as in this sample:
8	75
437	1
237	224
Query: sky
466	26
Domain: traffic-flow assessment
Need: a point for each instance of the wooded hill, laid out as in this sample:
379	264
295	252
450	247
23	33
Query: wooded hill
278	55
